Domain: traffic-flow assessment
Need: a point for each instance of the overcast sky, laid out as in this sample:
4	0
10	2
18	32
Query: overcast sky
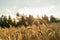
33	7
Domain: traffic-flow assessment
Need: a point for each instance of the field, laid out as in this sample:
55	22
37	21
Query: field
43	32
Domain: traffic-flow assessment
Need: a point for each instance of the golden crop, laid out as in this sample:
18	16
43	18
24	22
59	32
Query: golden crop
30	33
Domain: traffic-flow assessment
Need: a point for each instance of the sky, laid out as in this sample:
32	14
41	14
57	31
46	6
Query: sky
33	7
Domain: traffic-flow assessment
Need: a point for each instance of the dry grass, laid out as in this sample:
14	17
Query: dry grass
30	33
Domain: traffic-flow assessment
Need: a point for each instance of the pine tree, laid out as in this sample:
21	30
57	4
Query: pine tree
52	19
10	20
14	22
30	20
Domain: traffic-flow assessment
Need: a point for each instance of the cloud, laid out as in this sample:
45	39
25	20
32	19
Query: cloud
33	7
9	11
36	11
55	11
29	10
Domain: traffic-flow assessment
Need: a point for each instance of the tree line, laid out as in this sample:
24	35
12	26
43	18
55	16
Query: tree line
22	20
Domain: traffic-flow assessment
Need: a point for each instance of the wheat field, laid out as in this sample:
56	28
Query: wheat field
33	32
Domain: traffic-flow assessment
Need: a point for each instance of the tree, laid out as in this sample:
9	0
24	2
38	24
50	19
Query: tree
30	20
17	14
5	19
45	18
14	22
3	22
10	20
52	19
20	21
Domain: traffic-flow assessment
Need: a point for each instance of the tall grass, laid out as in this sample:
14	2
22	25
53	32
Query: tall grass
29	33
